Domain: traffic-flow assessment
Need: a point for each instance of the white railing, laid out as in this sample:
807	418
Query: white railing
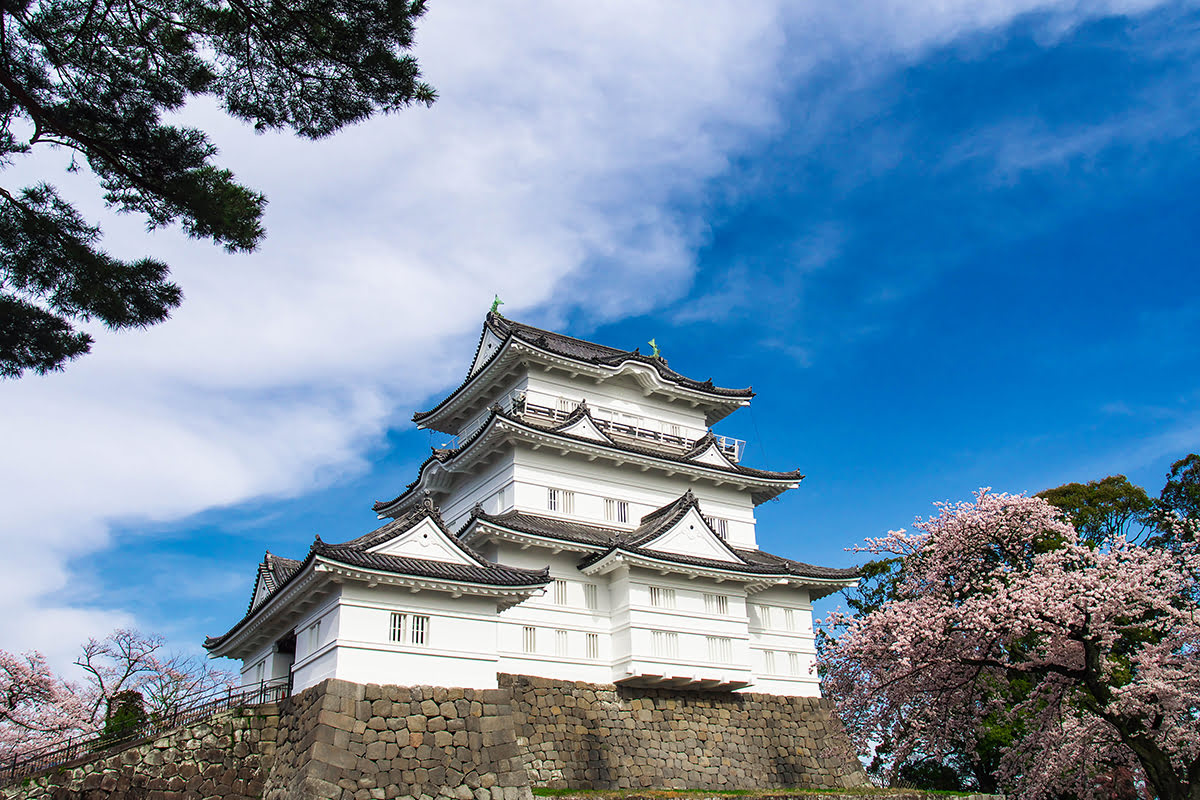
632	428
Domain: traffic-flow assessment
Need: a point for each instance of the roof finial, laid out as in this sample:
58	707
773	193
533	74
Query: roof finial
657	353
496	303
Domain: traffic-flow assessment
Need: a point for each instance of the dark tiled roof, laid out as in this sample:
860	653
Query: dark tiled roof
758	562
601	354
489	575
582	350
273	572
497	412
797	567
549	527
280	571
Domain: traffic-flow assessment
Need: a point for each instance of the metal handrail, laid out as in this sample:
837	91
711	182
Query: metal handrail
518	402
188	710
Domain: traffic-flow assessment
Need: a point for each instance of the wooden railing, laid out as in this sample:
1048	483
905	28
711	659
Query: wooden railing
188	710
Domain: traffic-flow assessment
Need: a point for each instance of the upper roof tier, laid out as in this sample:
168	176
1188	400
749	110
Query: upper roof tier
506	348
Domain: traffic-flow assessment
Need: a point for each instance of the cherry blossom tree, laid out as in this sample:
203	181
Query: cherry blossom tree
37	708
1090	654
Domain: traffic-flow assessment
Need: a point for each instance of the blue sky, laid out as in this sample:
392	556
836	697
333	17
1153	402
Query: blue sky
950	246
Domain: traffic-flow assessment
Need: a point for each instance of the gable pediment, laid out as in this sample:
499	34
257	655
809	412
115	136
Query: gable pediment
427	541
691	536
261	590
712	454
585	428
488	346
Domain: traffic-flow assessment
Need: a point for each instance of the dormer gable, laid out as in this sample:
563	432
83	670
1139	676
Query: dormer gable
423	537
581	424
681	529
708	451
261	590
489	344
691	536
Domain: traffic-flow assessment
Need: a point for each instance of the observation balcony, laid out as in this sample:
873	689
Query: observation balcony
547	409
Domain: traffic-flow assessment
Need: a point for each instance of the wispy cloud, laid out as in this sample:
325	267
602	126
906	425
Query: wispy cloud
567	167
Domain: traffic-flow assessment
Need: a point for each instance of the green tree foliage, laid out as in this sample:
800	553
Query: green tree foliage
126	717
1180	497
1104	509
96	77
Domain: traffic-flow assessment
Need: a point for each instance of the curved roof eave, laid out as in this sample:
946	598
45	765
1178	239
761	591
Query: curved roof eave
614	363
774	480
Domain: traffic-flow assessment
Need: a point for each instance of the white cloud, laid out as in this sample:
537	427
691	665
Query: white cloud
549	172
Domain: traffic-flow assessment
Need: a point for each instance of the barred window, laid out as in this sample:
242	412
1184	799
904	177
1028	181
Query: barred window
560	643
616	510
661	597
591	596
789	619
560	500
716	604
529	639
794	663
409	628
560	592
769	662
420	629
665	644
720	649
593	645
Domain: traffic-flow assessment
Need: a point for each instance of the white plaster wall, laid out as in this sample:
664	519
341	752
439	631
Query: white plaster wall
537	470
689	621
460	648
482	487
773	634
548	617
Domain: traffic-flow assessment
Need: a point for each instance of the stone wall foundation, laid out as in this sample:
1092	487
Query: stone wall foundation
345	741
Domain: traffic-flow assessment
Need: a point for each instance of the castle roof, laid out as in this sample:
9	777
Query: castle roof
600	543
767	482
608	359
464	566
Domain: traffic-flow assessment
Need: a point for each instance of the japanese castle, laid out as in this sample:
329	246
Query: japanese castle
584	524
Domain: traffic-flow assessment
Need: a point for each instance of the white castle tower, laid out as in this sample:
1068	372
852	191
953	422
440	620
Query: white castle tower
584	524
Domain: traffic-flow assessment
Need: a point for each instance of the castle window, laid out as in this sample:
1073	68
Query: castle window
789	619
720	526
566	406
560	500
420	629
260	671
314	636
720	649
716	604
529	639
769	662
616	510
560	643
764	616
399	628
591	596
664	644
593	645
794	663
409	629
661	597
560	592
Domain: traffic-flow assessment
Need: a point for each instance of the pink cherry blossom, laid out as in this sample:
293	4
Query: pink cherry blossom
1002	590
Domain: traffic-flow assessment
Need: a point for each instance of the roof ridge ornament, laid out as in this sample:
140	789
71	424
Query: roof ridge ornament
496	303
